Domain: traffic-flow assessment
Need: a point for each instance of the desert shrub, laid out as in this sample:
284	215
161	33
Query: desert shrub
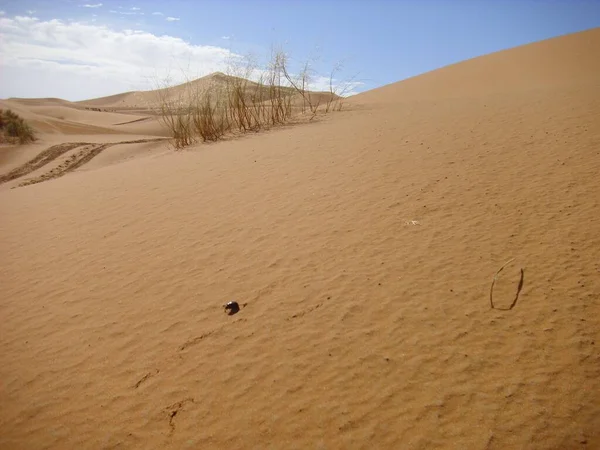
241	105
14	129
210	118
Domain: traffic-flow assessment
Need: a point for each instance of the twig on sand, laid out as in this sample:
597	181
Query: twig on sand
518	288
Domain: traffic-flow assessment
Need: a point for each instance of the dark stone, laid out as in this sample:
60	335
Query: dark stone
232	308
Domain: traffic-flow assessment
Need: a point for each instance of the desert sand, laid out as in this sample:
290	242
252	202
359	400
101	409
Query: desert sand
362	247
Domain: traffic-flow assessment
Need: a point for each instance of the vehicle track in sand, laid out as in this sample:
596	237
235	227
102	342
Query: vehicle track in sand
87	152
48	155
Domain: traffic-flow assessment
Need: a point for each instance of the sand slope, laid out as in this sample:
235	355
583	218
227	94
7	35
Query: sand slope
560	62
363	246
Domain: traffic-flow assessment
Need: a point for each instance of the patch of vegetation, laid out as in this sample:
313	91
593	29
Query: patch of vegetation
14	129
235	104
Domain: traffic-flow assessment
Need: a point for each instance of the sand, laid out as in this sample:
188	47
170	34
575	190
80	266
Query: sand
363	246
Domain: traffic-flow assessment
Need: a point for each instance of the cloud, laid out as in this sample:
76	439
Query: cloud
88	5
2	13
157	13
135	8
30	11
83	60
172	19
340	87
226	37
124	13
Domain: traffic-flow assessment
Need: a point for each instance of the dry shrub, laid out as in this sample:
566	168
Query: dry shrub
14	129
240	105
210	119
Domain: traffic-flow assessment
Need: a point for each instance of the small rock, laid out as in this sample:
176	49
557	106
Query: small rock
232	308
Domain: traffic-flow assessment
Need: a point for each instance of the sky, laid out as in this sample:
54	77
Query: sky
80	49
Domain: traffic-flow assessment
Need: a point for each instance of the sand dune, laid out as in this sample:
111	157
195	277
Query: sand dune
565	61
60	124
213	83
28	102
126	99
132	115
105	119
50	120
361	246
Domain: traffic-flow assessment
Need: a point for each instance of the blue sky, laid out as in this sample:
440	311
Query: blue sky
87	48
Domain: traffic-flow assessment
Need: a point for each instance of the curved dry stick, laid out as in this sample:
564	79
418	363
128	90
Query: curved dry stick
519	287
494	282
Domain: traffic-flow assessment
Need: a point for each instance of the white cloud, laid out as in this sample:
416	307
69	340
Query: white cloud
340	87
135	8
30	11
2	13
124	13
157	13
88	5
84	60
172	19
226	37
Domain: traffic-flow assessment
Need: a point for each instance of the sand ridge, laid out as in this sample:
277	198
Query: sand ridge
364	246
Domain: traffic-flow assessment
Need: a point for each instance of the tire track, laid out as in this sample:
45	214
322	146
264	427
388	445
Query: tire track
88	152
45	157
85	155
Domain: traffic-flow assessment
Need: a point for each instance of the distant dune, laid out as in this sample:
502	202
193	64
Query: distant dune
213	83
361	248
